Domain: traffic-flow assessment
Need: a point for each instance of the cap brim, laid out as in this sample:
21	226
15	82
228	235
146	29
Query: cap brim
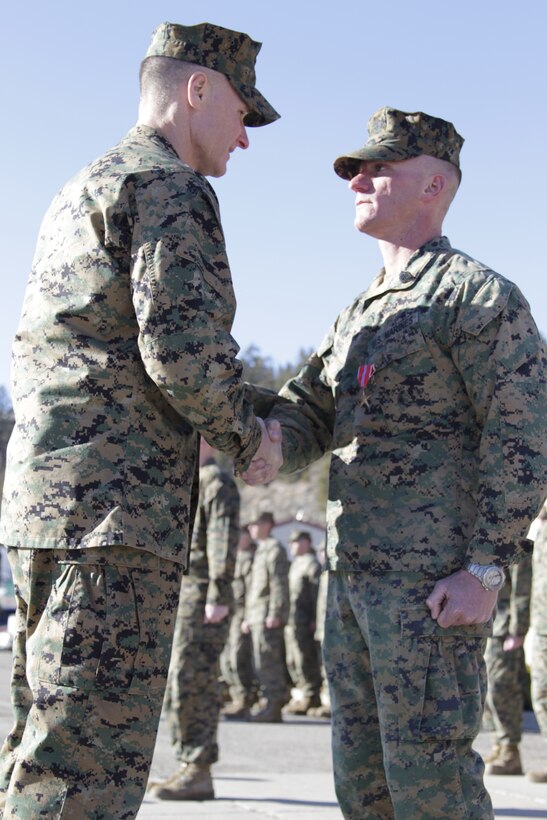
261	112
347	166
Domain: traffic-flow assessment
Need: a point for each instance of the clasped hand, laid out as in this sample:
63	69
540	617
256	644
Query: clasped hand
268	458
461	600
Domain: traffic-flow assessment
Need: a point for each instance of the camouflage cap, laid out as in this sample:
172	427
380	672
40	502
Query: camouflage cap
396	135
221	49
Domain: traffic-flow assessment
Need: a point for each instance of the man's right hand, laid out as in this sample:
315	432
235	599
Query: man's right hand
268	458
461	600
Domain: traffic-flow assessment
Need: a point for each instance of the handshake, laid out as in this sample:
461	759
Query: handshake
268	458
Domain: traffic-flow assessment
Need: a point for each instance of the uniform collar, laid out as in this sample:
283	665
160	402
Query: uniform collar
149	134
145	133
418	263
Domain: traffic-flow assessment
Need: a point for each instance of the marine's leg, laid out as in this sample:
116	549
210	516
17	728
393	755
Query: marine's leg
505	702
271	671
21	694
539	695
194	693
359	776
504	694
539	680
310	668
97	665
430	686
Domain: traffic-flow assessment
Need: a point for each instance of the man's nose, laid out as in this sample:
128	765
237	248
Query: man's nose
243	139
360	182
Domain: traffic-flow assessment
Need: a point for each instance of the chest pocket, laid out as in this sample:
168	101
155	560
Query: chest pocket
398	337
400	384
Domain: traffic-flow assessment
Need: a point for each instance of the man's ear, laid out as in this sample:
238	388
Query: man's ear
197	87
434	186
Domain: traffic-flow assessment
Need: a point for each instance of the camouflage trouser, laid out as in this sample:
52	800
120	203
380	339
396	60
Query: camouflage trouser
192	698
269	662
504	696
236	663
406	698
539	680
91	654
303	659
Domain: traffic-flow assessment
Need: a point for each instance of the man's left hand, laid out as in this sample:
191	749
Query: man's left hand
461	600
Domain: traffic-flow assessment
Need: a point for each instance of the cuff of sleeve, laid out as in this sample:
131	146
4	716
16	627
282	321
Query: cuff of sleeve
503	554
245	457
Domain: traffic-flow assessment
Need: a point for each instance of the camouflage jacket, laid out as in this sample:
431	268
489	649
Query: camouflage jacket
304	574
513	604
122	355
268	593
215	534
430	391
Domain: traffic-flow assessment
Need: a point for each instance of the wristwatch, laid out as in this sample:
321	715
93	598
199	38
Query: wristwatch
491	577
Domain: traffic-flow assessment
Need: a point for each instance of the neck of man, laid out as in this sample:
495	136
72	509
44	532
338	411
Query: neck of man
171	125
397	252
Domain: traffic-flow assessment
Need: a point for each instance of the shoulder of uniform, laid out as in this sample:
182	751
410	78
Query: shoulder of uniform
479	293
144	157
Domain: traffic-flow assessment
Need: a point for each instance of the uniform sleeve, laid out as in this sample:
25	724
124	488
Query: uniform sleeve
184	303
305	409
501	357
221	538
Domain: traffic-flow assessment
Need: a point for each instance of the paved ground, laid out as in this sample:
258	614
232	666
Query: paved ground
283	772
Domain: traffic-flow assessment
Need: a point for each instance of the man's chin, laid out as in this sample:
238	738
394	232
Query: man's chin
218	172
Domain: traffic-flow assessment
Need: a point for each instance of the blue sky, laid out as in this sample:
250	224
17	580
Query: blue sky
69	90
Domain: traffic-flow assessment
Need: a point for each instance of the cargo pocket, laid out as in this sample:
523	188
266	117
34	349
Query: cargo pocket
441	682
92	631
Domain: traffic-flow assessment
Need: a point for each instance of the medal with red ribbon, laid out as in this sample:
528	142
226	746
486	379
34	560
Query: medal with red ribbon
364	375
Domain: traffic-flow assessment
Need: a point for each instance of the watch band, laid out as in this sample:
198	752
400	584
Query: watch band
491	576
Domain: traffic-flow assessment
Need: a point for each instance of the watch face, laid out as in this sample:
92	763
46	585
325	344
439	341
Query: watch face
493	578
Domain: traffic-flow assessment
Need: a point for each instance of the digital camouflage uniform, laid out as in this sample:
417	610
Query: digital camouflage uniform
268	597
237	657
505	697
440	459
301	646
539	626
192	701
122	356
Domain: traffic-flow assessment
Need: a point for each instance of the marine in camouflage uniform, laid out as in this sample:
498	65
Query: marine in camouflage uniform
301	646
266	612
430	392
122	356
504	661
192	698
236	661
539	634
